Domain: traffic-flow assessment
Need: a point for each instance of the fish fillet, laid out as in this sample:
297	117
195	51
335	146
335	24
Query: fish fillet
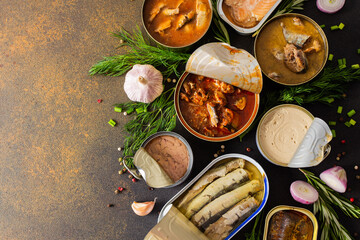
163	26
224	202
297	39
261	8
209	177
214	120
215	189
202	12
183	19
222	228
155	11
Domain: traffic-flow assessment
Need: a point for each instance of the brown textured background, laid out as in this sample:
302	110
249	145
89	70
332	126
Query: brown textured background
58	154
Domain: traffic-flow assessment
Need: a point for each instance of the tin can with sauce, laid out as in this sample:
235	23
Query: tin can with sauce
164	160
290	136
173	223
290	218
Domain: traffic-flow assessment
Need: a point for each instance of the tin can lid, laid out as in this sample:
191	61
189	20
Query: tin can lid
150	170
228	64
312	148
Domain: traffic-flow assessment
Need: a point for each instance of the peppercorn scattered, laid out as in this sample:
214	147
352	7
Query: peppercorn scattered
343	141
248	149
348	189
120	172
343	153
151	189
110	205
119	149
222	146
130	176
133	180
99	100
356	234
341	119
339	154
357	176
168	80
351	199
120	189
356	167
117	191
124	170
337	158
216	155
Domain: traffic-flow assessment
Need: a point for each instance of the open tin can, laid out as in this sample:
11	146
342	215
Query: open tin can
164	160
174	222
290	136
282	220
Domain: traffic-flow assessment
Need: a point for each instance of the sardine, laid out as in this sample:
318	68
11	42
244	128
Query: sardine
295	58
163	26
220	205
237	214
274	75
215	189
208	178
214	120
155	11
297	21
202	12
172	11
185	18
278	54
241	103
314	47
297	39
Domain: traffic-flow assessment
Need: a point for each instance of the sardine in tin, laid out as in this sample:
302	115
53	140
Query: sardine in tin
169	204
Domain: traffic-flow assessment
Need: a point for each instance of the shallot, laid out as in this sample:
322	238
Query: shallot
330	6
335	178
303	192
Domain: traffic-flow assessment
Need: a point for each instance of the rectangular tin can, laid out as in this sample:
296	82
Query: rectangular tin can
241	30
298	209
218	160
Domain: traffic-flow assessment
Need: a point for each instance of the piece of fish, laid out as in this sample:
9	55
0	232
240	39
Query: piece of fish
219	98
278	54
155	11
170	11
314	47
184	18
210	212
237	214
226	116
214	120
297	39
163	26
209	177
297	21
241	103
215	189
202	13
274	75
294	59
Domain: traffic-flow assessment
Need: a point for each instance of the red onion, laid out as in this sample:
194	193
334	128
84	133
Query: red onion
335	178
303	192
330	6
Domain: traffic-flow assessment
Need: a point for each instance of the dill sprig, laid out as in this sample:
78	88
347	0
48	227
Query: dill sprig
140	52
257	230
331	84
286	6
221	33
330	225
153	117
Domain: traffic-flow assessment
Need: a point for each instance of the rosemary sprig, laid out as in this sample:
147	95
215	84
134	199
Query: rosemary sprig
221	33
330	225
286	6
141	52
150	118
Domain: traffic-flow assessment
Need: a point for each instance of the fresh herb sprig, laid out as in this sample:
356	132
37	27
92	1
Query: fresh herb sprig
140	52
219	30
286	6
330	225
150	118
257	230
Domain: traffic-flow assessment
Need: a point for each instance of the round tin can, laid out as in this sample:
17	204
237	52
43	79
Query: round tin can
310	150
304	211
169	46
320	31
139	173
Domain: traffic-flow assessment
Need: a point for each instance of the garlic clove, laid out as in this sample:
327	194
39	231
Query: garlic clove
143	208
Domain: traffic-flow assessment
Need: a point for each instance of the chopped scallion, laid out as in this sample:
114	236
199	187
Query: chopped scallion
333	133
344	61
340	62
332	123
129	111
112	123
330	100
331	57
342	66
347	124
352	122
322	26
355	66
341	26
358	51
335	27
351	113
139	110
117	109
339	110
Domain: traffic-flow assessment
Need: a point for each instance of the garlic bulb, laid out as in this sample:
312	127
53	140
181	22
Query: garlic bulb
143	83
143	208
